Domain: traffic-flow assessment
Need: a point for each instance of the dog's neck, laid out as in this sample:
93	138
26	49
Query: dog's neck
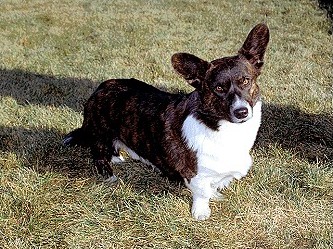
206	117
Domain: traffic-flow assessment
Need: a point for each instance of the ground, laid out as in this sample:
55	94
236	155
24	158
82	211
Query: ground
55	53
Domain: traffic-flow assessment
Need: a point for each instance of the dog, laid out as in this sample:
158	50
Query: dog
203	137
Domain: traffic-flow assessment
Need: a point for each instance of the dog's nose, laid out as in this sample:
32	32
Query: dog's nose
241	113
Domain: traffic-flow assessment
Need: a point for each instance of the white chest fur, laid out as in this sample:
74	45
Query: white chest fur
223	153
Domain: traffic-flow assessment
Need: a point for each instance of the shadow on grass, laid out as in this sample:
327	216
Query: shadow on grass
328	6
42	151
309	136
31	88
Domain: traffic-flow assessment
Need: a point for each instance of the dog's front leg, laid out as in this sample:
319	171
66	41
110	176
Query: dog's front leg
202	191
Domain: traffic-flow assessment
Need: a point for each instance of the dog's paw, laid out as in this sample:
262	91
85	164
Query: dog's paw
201	212
223	184
111	179
118	159
217	196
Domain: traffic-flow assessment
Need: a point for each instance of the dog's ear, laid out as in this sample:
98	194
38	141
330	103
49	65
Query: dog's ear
255	45
192	68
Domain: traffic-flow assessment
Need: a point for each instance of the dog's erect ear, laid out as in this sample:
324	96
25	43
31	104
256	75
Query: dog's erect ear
192	68
255	45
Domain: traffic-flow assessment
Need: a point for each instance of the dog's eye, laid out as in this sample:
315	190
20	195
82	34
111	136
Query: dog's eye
246	81
219	89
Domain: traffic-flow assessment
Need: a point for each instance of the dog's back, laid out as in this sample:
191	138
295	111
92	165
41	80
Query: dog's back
130	113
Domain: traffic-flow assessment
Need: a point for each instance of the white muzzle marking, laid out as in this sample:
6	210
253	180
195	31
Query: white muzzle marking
240	104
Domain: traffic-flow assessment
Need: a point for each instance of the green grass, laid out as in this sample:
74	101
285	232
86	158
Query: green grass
54	53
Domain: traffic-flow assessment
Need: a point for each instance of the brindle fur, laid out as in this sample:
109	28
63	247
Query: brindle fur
149	121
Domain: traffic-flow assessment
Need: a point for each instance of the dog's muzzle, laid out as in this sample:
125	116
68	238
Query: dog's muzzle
240	110
241	113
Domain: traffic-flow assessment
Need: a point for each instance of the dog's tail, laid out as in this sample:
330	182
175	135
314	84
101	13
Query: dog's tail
76	137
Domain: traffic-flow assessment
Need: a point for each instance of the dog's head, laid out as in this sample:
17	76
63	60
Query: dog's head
227	87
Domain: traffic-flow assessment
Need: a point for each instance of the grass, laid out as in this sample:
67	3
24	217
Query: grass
54	53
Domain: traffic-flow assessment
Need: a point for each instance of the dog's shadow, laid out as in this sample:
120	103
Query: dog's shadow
31	88
309	136
42	151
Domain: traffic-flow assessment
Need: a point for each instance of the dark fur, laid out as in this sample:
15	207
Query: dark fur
141	116
149	121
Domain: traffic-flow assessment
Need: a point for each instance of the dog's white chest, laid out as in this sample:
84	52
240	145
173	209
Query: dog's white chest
223	153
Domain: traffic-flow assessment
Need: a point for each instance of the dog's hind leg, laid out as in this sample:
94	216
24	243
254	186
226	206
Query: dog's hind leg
101	156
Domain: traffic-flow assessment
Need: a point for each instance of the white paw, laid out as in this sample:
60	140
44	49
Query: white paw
224	183
201	212
111	179
217	196
117	159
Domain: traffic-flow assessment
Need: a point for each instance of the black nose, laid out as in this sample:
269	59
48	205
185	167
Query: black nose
241	113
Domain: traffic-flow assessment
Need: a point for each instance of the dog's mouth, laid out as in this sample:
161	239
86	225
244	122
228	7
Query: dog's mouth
239	121
240	115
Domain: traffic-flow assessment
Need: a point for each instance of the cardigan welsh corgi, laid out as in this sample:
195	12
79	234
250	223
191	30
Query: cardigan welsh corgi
203	137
